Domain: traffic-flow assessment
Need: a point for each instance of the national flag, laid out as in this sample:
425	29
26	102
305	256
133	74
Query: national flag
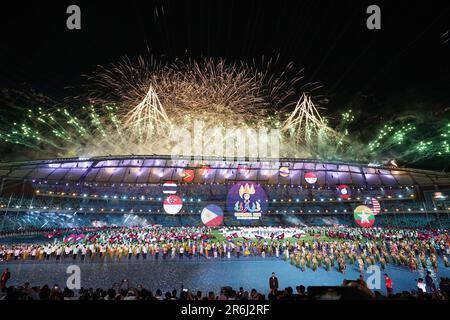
246	238
280	236
70	238
234	235
376	208
204	169
188	175
310	177
80	237
172	204
364	217
344	191
272	235
212	216
297	235
170	187
258	237
243	169
284	172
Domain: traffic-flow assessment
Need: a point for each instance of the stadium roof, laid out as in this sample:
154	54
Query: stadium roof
157	169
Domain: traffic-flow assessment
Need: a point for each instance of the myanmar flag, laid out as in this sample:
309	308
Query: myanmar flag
364	216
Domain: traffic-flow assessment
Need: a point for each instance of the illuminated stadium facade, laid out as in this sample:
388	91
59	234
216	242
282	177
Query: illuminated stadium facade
129	190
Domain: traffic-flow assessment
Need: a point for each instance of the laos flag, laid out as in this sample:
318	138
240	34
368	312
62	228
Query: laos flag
344	191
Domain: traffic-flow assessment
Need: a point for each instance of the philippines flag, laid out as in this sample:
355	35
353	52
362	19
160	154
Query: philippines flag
212	216
172	204
170	187
344	191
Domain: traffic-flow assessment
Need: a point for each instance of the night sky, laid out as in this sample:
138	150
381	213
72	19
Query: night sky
382	71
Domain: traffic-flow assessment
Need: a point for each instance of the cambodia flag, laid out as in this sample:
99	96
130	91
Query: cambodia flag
70	238
80	237
280	236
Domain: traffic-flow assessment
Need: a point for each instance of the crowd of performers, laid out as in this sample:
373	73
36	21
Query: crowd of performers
312	247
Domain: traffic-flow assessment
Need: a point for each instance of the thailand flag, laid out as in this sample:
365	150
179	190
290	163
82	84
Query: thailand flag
170	187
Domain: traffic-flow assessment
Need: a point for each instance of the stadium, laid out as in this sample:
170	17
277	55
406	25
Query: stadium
280	154
129	191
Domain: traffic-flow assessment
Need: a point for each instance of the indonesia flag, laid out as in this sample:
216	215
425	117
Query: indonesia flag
310	177
172	204
344	191
170	187
212	216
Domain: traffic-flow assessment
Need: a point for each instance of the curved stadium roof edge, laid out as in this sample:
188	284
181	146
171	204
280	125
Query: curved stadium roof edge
98	169
207	159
